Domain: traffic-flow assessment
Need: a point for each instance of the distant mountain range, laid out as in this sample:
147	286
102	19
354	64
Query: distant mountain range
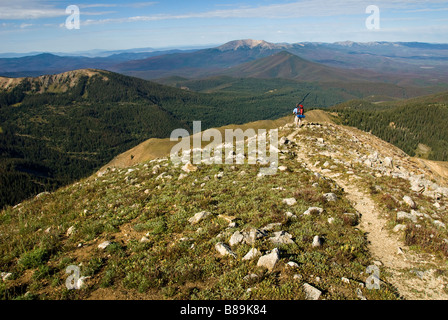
428	62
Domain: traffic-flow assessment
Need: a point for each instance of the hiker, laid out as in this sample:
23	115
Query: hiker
299	115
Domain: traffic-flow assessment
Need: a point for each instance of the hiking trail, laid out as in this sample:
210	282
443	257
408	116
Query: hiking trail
388	251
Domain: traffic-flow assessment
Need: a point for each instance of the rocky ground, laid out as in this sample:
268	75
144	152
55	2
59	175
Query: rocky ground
347	216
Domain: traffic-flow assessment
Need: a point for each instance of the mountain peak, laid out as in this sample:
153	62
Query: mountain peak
246	44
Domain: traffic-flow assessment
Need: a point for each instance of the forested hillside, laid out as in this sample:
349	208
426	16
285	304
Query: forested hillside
58	128
417	126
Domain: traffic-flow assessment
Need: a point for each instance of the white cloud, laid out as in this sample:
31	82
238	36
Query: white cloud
293	10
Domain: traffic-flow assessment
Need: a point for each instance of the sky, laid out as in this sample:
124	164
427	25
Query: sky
51	25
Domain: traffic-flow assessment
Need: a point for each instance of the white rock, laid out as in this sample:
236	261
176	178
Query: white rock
292	264
405	215
70	231
144	239
388	162
331	197
104	245
409	202
330	220
199	216
224	249
290	201
311	293
313	210
281	237
253	253
290	215
439	223
236	238
269	260
317	241
271	226
399	227
5	275
282	168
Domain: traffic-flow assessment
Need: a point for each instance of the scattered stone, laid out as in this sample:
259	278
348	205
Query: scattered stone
317	241
188	167
298	276
290	215
313	210
224	249
104	245
388	162
182	176
251	276
439	224
399	227
292	264
360	295
219	175
144	239
290	201
232	225
253	253
269	260
311	293
331	197
408	200
236	238
282	168
271	226
330	220
70	231
281	237
401	215
199	216
5	275
254	234
346	280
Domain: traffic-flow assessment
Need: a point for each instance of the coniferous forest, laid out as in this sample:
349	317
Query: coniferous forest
408	124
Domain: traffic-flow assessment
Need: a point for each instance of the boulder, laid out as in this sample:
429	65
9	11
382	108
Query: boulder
236	238
317	241
290	201
313	210
253	253
104	245
408	200
401	215
311	293
281	237
330	197
224	249
269	260
199	216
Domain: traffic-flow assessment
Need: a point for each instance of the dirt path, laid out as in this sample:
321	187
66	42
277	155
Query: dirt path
402	266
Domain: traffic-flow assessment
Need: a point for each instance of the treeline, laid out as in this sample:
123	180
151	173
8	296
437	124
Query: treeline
406	125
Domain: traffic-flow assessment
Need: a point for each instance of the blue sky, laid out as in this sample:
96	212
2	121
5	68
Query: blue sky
39	25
